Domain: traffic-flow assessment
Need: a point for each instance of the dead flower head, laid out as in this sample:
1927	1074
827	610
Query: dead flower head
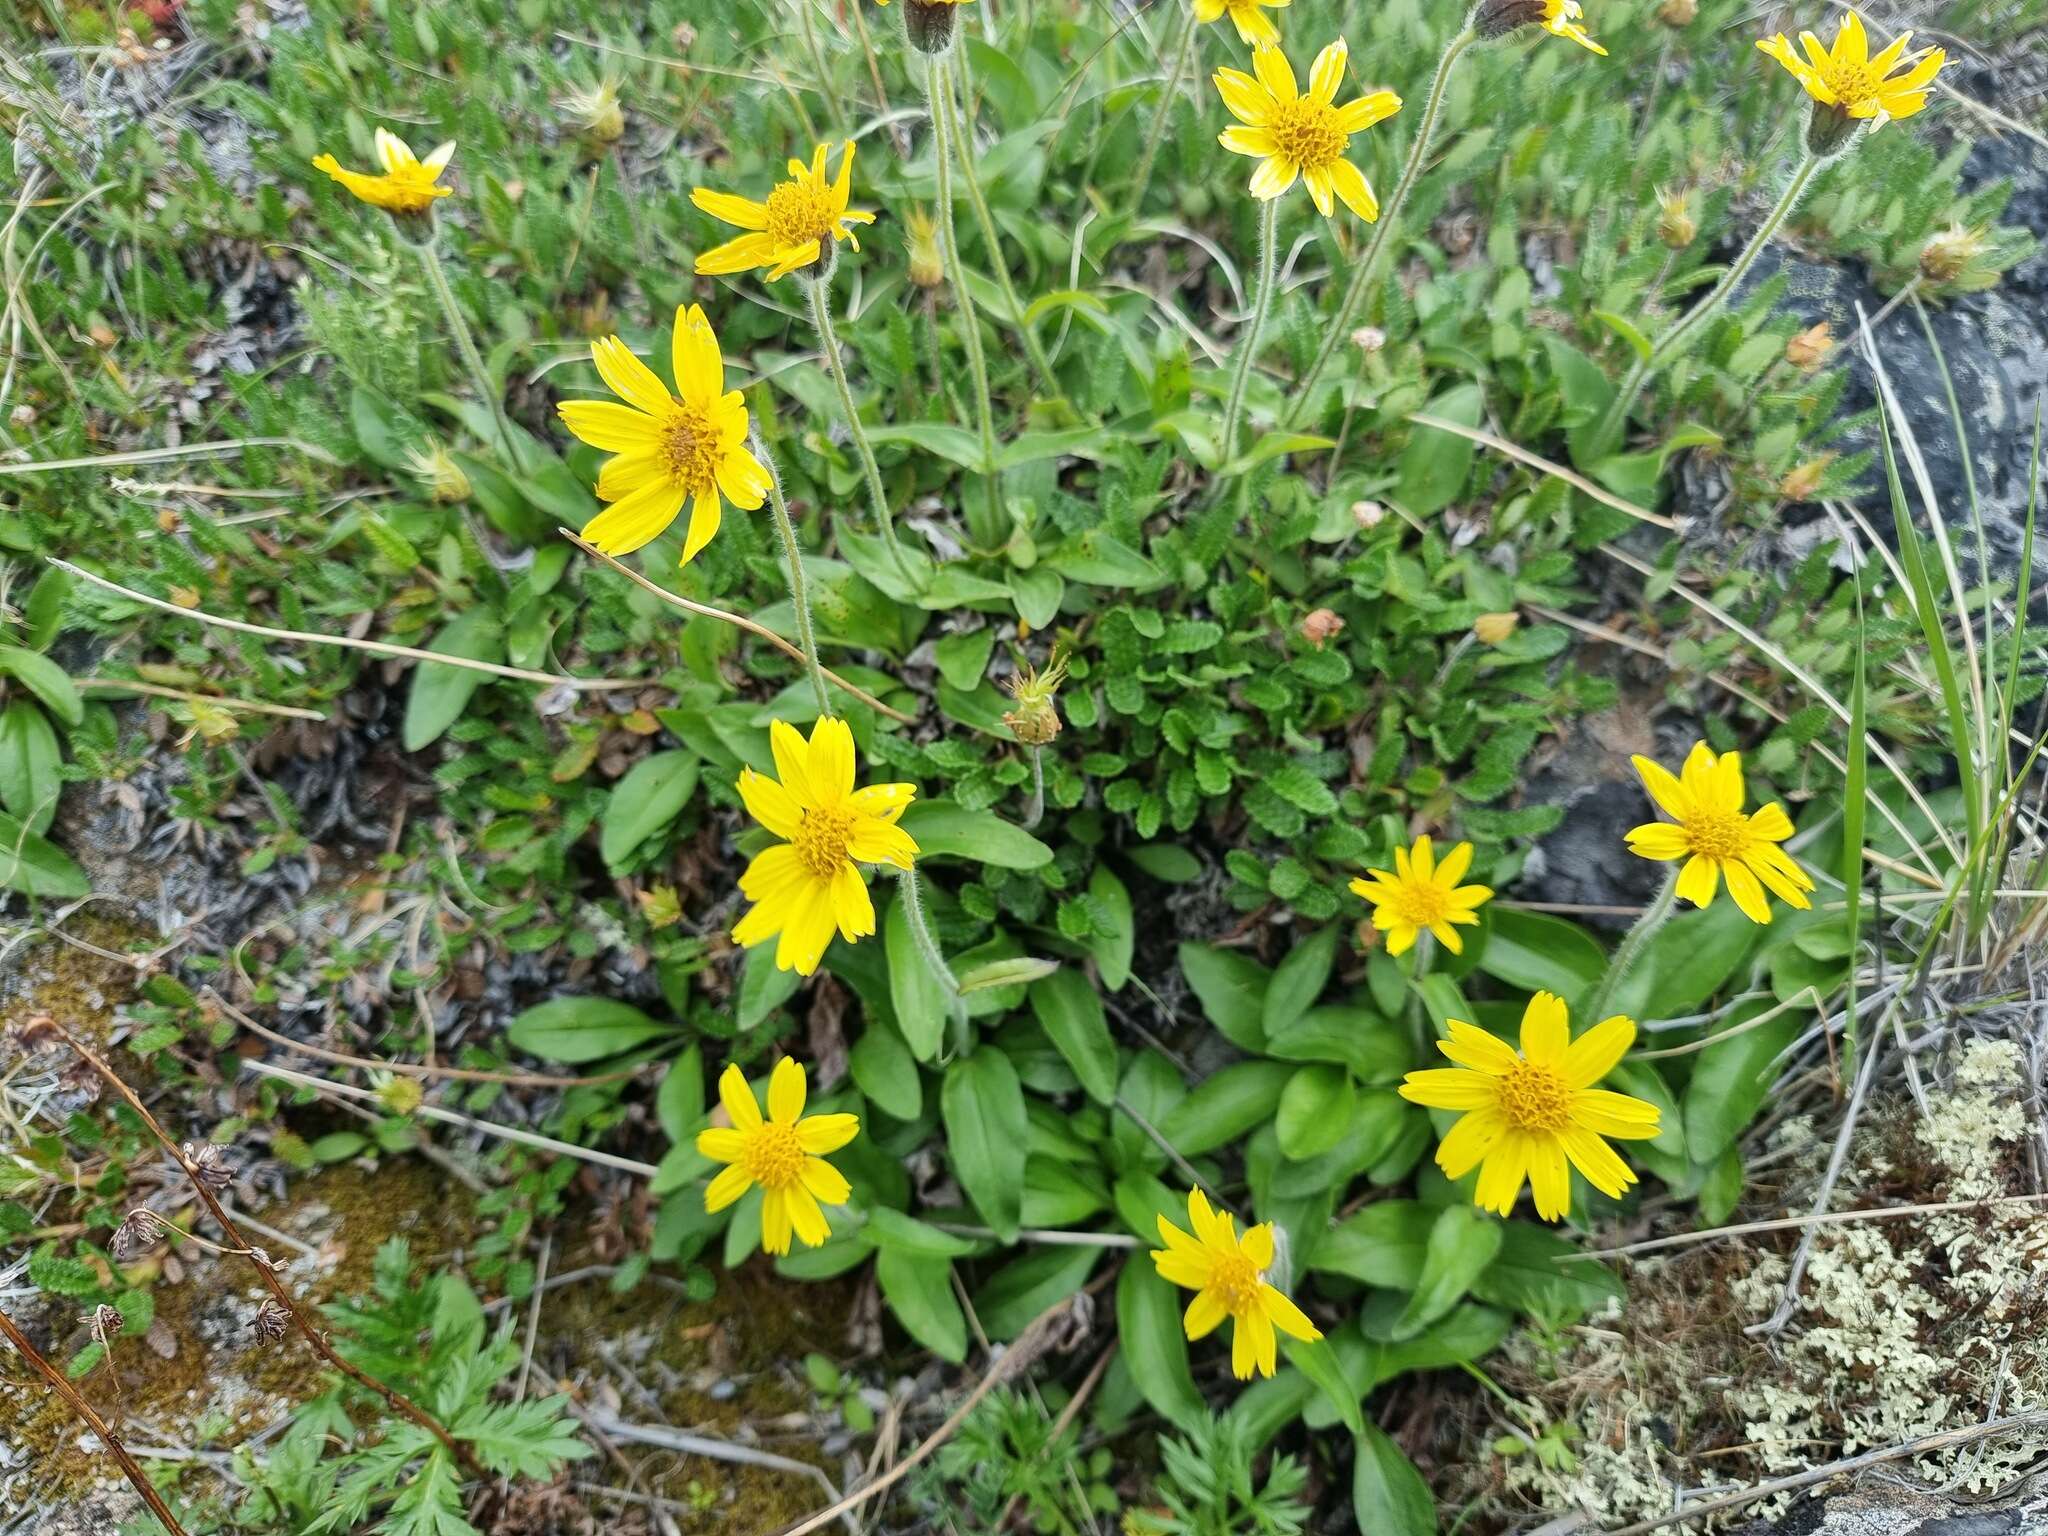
1036	721
208	1165
140	1231
1321	627
272	1320
1810	348
107	1324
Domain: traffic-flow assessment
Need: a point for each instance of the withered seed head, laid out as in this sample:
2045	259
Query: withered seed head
271	1320
140	1231
107	1323
209	1165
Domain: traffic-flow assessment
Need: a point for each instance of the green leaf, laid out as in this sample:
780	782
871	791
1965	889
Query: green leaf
679	1101
1012	971
1388	1496
1226	1105
1271	445
1685	962
30	758
886	1072
1627	331
914	992
764	986
1540	953
982	1104
46	680
1116	933
1315	1111
440	694
1299	980
1232	990
1023	1288
1316	1360
1070	1012
1433	466
942	438
1732	1078
942	827
1155	1349
35	867
1462	1243
1383	1245
646	800
1539	1274
43	608
1101	560
919	1291
890	1228
580	1029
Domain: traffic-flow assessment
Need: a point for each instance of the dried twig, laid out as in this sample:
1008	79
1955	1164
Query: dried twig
396	1400
71	1395
1787	1223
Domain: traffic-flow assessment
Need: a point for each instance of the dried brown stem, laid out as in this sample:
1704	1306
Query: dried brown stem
71	1395
396	1400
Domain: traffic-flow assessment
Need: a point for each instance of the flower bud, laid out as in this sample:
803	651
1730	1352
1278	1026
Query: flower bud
438	473
1368	514
1946	256
1321	627
1369	339
1675	224
929	24
1810	348
921	236
1678	13
596	113
1494	628
1801	483
1036	719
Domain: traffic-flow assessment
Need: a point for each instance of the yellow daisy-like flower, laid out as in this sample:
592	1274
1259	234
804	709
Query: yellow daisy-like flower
1528	1114
794	229
1227	1274
1253	25
1421	893
1848	79
810	884
1561	19
689	446
784	1154
1292	134
1716	839
407	183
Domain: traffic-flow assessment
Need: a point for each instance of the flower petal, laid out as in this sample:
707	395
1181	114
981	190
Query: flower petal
775	1221
730	1184
1327	73
1546	1029
1665	789
611	426
740	212
792	755
1698	881
738	1099
1550	1177
1450	1088
805	1216
694	355
722	1143
786	1092
1614	1114
627	377
1469	1140
1594	1054
1471	1046
1600	1163
704	519
1203	1315
1286	1316
852	908
819	1134
1275	73
770	804
830	763
825	1182
635	520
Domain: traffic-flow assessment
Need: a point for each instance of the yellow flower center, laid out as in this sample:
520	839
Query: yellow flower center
1852	84
1306	132
1421	903
1717	834
1535	1098
774	1158
689	446
1236	1284
798	211
821	840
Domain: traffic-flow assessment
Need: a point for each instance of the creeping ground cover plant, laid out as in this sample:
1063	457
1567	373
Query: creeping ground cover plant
993	765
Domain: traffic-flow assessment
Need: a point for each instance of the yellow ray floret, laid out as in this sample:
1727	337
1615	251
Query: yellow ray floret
1422	895
1561	19
1848	78
1709	830
407	184
784	1154
1253	25
1534	1114
671	448
794	228
1227	1274
1295	134
809	886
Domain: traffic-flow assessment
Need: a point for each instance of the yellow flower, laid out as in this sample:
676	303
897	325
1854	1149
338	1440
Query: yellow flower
808	885
1848	79
784	1154
794	229
1526	1114
407	185
1253	25
671	448
1227	1273
1295	135
1715	838
1561	19
1421	893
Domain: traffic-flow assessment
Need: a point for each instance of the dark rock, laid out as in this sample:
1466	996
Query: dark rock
1892	1510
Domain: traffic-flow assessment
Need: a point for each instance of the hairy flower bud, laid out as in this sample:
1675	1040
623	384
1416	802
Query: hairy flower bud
929	24
921	236
1810	348
1036	721
1946	256
1675	224
438	473
596	113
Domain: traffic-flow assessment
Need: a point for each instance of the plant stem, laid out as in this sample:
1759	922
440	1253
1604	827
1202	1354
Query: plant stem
819	290
964	148
934	958
806	634
939	104
394	1399
832	103
1142	180
465	344
78	1404
1679	330
1248	344
1034	810
1630	949
1390	216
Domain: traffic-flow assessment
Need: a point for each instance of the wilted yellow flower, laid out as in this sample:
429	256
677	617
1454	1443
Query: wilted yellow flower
1675	224
438	473
407	183
1847	78
1494	628
784	1154
1295	135
596	112
1253	25
1716	839
1810	348
1799	484
1423	894
1946	256
1528	1114
795	229
689	446
1560	18
810	884
1035	721
921	240
1227	1273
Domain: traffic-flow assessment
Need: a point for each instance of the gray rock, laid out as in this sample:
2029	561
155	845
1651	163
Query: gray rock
1887	1509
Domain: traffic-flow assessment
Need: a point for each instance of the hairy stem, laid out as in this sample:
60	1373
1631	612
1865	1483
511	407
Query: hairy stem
1182	52
806	633
1034	809
1390	216
963	146
465	344
819	291
934	957
1630	950
1248	343
939	101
